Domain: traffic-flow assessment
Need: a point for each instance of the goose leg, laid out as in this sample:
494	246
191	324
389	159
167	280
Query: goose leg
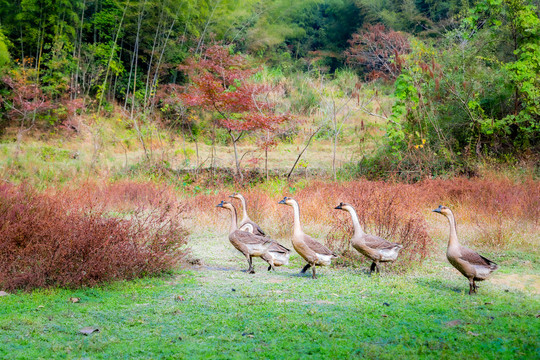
472	287
268	258
305	268
377	267
313	276
251	270
372	268
248	261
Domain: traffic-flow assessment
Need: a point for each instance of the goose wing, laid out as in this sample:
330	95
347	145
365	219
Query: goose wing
317	246
277	247
475	258
376	242
252	227
251	239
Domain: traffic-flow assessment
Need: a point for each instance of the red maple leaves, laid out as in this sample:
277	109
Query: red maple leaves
221	82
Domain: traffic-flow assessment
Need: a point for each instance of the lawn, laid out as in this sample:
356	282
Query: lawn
212	312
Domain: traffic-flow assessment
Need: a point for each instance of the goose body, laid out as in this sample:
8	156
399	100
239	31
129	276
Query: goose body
315	253
246	224
468	262
277	254
248	244
373	247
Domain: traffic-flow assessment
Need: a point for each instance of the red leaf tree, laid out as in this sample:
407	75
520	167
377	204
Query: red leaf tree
378	50
24	101
221	83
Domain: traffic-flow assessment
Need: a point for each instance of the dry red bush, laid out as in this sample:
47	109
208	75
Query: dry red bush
75	238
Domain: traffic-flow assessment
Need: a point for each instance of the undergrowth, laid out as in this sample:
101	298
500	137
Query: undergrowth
89	235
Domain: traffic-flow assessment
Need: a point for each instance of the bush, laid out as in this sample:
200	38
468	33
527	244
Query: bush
76	237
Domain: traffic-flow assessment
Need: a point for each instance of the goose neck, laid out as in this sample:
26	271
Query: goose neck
296	210
233	227
453	239
245	216
356	223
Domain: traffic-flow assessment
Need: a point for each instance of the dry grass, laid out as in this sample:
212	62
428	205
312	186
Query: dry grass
492	214
85	236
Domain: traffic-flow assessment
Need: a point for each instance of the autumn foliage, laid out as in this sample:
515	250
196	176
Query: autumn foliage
86	236
377	49
220	83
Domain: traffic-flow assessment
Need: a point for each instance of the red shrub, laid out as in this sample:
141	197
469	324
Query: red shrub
72	239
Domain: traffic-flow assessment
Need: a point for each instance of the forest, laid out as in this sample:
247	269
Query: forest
459	80
130	128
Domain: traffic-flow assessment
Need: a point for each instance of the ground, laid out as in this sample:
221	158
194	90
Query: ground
215	310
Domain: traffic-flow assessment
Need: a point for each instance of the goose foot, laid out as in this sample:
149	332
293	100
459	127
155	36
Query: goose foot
373	268
472	287
305	268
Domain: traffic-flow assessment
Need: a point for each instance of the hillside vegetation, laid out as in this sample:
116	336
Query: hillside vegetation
396	89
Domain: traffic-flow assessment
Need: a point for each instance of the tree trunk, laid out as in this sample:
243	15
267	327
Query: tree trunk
238	172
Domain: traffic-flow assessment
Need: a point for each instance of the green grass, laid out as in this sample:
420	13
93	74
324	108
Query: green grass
230	314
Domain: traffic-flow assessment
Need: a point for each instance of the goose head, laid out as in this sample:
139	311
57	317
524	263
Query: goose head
443	210
287	201
236	196
225	205
344	206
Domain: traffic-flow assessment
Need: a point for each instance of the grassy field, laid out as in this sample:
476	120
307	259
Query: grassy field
214	310
224	313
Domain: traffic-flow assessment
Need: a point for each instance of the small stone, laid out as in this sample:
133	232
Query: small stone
88	330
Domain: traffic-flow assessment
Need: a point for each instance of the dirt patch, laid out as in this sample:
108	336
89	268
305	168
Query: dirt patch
519	281
321	302
275	281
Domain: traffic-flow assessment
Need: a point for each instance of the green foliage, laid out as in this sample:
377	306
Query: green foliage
406	99
4	53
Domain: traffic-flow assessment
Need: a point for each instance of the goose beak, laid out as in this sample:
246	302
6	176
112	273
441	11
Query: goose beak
438	210
220	204
283	201
231	196
339	207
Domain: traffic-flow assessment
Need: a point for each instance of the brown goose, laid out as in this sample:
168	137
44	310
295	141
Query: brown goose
277	254
315	253
246	223
374	247
472	265
247	243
